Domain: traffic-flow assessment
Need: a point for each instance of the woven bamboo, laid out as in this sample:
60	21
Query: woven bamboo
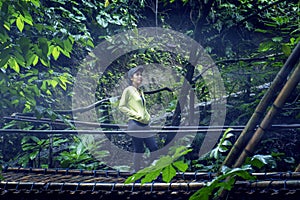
30	183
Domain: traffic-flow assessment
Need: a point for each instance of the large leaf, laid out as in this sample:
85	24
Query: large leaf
181	165
168	173
152	175
20	22
261	160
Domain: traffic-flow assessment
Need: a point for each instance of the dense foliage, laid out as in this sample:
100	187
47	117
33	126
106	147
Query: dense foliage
43	44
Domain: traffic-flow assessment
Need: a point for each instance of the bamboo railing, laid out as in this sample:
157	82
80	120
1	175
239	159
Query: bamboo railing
247	141
266	122
277	84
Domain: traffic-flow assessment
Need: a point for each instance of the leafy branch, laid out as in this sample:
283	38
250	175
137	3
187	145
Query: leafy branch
226	180
223	144
217	185
165	166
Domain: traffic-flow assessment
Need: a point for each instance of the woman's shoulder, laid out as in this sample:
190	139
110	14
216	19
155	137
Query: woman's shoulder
129	89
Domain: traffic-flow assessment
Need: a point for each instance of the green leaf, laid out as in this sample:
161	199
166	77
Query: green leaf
106	3
181	165
20	23
101	21
227	132
44	86
68	45
277	39
226	143
80	149
67	54
4	61
35	60
33	155
134	178
165	165
150	176
219	183
261	160
55	53
28	146
34	138
229	135
223	149
90	43
19	58
202	194
9	125
261	30
14	65
181	151
265	46
214	153
35	2
7	26
27	18
163	162
43	45
53	83
168	173
48	92
45	62
63	85
286	50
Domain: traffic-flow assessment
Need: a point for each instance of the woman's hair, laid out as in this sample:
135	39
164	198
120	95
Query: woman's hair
133	71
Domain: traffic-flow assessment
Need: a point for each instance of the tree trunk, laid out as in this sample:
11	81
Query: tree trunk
182	101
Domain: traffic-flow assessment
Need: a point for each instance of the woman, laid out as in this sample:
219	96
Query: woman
133	105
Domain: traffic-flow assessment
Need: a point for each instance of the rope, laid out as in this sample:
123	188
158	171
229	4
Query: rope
67	132
123	126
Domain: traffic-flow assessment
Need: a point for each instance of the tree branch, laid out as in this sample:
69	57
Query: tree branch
259	11
201	20
234	61
158	90
248	59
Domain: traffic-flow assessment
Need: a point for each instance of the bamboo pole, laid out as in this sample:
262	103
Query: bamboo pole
155	186
277	105
262	106
11	171
297	168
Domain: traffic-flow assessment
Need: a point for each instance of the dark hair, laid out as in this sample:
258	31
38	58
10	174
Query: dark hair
133	71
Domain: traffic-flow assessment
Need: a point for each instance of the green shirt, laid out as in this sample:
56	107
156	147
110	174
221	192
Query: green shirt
133	104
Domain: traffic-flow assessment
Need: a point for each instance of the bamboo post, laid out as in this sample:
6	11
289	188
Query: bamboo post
297	168
277	105
262	106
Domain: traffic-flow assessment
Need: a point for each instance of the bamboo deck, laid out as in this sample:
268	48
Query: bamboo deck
29	183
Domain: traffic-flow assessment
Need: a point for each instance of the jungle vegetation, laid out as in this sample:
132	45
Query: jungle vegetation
45	42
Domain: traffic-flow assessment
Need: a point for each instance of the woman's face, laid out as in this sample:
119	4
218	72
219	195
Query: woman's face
137	79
